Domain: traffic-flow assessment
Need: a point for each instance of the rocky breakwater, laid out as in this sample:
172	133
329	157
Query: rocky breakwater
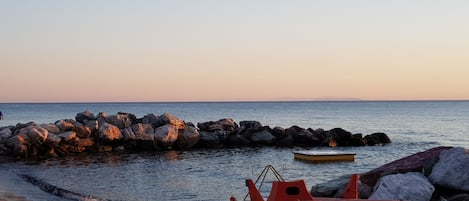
438	174
124	131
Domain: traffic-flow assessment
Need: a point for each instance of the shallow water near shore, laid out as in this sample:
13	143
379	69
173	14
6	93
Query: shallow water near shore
217	174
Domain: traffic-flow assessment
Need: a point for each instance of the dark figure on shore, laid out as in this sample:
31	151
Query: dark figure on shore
1	115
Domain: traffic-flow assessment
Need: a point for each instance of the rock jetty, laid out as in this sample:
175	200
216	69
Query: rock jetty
440	173
124	131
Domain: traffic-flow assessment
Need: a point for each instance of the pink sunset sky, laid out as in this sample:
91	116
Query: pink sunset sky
211	50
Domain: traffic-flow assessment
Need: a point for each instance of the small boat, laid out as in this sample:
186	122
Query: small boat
324	156
296	190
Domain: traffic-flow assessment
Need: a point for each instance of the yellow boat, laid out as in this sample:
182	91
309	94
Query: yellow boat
324	156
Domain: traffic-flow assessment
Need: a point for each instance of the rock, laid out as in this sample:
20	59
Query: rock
279	132
451	169
108	132
17	140
249	127
340	136
53	140
188	137
37	135
20	126
68	136
330	188
238	139
412	163
459	197
166	135
411	186
226	124
85	115
262	137
144	132
150	119
168	118
81	130
208	139
121	120
377	139
286	141
88	142
5	134
52	128
64	124
93	125
302	136
357	140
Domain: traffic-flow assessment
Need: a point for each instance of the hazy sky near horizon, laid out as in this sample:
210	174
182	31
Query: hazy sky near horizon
213	50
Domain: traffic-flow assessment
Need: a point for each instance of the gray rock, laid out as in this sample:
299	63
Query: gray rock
237	139
119	120
208	139
188	137
451	170
166	135
150	119
5	134
412	186
81	130
109	132
263	137
144	132
37	135
52	128
53	139
68	136
64	124
168	118
85	115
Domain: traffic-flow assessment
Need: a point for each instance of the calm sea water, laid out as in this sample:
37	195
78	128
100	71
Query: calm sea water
217	174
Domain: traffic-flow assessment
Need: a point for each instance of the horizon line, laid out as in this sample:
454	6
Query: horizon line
240	101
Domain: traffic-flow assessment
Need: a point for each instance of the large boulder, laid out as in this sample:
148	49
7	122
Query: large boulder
377	139
85	115
108	132
68	136
279	132
249	127
150	119
81	130
188	137
36	134
52	128
330	188
139	132
5	134
208	139
302	136
168	118
412	186
121	120
340	137
64	124
412	163
166	135
226	124
263	137
238	139
451	169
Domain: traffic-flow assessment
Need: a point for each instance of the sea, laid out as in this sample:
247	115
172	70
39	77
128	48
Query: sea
218	174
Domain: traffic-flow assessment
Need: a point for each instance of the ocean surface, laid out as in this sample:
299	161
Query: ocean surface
217	174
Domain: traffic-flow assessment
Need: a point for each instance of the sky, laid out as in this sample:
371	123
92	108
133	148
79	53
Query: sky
227	50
